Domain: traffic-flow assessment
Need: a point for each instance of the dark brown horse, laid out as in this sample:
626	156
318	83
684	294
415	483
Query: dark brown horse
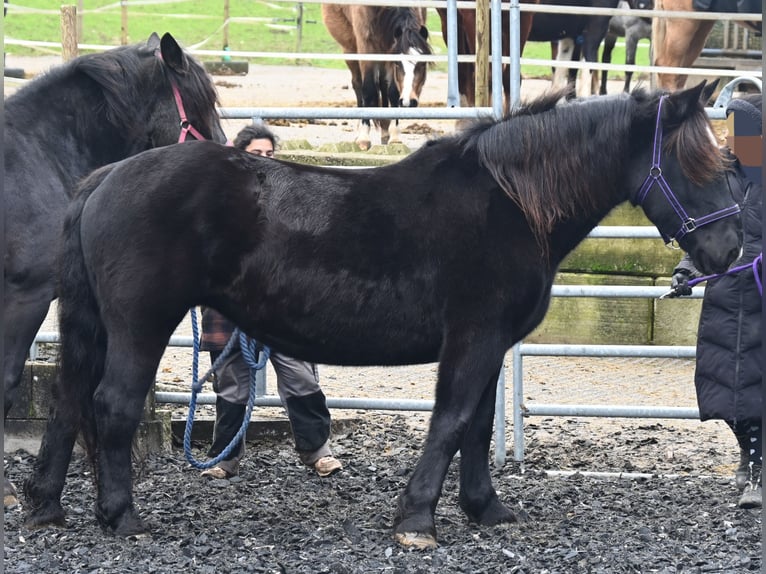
466	44
381	30
677	42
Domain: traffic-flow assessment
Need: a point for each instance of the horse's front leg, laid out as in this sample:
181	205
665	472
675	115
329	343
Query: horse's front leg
565	52
370	99
478	497
42	490
464	371
118	408
391	96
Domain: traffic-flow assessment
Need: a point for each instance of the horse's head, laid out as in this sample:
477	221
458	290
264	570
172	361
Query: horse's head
185	99
152	94
681	179
409	75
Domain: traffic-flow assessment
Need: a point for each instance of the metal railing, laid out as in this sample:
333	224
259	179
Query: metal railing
520	408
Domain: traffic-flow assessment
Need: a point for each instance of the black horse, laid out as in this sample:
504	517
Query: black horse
447	255
94	110
573	36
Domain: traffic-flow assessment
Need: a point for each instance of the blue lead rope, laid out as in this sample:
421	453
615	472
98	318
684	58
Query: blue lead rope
249	348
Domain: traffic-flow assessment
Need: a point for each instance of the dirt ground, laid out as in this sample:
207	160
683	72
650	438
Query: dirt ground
279	517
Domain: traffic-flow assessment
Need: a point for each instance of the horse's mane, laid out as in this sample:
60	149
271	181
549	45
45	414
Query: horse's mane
108	69
521	150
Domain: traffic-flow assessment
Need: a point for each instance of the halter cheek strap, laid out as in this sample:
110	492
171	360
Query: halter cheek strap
186	126
655	177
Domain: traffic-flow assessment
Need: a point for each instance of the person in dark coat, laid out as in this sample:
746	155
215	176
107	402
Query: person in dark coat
728	374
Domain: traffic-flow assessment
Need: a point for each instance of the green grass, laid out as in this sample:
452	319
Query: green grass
274	31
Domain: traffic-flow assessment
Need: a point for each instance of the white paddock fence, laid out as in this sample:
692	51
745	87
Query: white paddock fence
452	108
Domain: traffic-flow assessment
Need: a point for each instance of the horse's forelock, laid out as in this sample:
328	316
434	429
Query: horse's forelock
408	22
694	144
197	90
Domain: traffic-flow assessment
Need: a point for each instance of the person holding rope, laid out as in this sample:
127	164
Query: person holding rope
297	381
728	373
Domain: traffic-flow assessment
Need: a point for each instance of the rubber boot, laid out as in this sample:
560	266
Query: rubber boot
742	474
228	420
752	496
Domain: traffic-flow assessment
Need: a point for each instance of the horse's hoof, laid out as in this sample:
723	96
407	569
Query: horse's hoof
51	515
131	526
416	540
10	501
363	145
140	536
10	496
384	141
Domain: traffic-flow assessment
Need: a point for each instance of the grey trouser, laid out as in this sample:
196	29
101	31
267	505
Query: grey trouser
296	379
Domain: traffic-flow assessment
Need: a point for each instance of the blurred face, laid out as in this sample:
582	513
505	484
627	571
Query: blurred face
261	146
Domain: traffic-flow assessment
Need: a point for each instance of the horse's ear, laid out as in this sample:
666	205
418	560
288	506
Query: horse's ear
709	90
172	54
424	32
684	103
154	41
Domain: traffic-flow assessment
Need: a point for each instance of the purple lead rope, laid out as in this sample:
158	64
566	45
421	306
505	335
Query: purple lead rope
755	264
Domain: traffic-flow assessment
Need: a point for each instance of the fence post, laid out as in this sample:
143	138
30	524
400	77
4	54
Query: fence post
482	53
124	22
68	32
225	24
80	10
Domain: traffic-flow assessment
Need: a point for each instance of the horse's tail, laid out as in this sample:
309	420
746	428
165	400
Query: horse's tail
82	335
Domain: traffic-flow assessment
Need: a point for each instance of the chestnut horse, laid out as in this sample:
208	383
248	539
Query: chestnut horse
466	44
381	30
678	42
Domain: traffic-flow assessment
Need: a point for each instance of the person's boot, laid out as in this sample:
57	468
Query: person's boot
228	420
742	474
752	496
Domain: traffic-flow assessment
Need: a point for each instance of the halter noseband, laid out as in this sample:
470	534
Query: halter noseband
186	126
688	224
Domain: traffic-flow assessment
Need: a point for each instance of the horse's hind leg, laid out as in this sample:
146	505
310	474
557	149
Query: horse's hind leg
118	407
478	497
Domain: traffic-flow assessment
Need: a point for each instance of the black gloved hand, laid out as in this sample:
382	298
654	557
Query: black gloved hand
679	284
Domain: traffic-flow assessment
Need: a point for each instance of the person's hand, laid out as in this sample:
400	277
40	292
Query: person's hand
679	284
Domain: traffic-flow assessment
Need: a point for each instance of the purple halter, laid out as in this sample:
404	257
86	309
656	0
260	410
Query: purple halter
688	224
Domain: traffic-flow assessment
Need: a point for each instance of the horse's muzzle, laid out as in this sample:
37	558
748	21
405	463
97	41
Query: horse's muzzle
413	103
